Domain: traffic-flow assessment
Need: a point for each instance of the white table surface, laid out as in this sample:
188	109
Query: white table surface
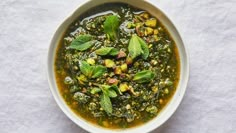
208	27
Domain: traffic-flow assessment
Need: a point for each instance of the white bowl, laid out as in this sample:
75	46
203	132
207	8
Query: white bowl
169	109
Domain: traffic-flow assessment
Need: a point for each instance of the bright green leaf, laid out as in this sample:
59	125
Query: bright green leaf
114	87
134	47
85	68
107	51
111	25
82	42
105	103
91	71
137	46
144	76
144	48
95	90
98	71
114	52
112	93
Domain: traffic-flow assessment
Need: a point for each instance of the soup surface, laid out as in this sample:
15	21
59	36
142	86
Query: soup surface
117	66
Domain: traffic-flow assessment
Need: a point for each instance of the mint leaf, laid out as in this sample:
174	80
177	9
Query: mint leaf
111	25
105	103
114	52
111	93
114	87
98	71
144	76
137	46
95	90
134	47
85	68
144	48
82	42
91	71
107	51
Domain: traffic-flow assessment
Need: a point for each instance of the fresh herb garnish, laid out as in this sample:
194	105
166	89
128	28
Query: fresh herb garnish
107	51
111	26
144	76
105	103
107	93
137	46
92	71
82	42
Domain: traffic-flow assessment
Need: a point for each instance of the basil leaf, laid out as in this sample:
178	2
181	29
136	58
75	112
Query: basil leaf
105	103
112	93
137	46
134	47
144	76
85	68
98	71
111	25
107	51
82	42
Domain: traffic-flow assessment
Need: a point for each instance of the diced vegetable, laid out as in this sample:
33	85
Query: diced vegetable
124	87
151	23
124	67
118	70
109	63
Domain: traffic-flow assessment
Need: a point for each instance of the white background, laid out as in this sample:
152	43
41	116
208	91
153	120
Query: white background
27	26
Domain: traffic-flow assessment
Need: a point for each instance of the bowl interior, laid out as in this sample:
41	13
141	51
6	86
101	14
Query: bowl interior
184	67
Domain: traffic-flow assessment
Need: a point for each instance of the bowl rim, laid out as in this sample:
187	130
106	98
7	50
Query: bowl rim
89	126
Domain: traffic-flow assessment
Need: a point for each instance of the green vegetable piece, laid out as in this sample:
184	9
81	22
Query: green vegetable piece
85	68
134	47
98	71
112	93
114	52
145	48
137	46
82	42
111	26
95	90
144	76
109	63
114	87
82	79
105	103
92	71
107	51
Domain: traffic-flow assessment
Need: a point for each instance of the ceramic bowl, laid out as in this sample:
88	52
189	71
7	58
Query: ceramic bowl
169	109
